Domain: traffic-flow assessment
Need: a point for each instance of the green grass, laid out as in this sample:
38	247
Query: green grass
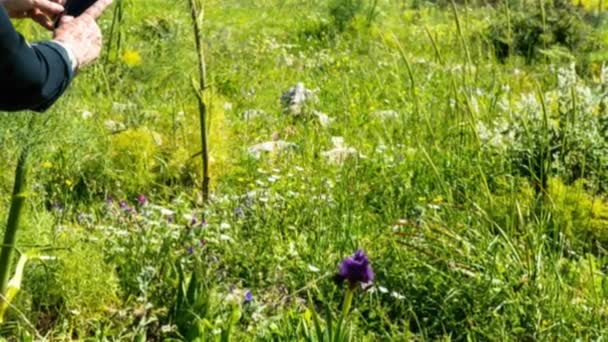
468	240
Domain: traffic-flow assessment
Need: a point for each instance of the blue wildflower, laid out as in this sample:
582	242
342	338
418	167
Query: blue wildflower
248	297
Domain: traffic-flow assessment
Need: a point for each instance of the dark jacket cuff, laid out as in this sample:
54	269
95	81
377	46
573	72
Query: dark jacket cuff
56	56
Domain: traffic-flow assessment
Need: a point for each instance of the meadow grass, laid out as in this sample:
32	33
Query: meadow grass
453	189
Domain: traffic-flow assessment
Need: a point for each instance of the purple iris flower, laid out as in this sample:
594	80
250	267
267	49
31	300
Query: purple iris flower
248	297
356	269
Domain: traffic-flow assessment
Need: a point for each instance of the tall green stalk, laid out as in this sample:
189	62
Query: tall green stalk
17	204
197	13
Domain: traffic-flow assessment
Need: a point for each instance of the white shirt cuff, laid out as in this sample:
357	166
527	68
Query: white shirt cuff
71	56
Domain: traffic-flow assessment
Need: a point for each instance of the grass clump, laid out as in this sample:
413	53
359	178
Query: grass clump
542	29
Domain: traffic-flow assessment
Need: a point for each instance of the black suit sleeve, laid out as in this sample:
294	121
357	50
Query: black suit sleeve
31	77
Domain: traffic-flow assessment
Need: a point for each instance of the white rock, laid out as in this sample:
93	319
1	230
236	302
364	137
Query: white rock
297	97
324	119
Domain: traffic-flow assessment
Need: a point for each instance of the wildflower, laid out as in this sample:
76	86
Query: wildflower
388	114
131	58
125	207
253	113
239	212
278	146
141	199
190	250
397	295
57	207
356	269
248	297
341	152
47	165
313	269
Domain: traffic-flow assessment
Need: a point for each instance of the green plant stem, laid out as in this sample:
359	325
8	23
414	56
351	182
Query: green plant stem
348	301
17	203
196	14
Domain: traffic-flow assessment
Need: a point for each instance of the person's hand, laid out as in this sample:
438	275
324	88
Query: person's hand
82	35
41	11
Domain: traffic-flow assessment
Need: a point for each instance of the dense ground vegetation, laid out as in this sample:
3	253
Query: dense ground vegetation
462	145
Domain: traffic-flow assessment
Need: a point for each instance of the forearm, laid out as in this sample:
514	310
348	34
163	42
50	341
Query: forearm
32	77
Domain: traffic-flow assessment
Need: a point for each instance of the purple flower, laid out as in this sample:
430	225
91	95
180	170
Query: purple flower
141	199
57	207
239	212
190	250
248	297
356	269
125	207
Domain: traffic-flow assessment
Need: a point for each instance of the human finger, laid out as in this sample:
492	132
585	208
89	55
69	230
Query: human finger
41	19
98	8
48	7
65	19
19	15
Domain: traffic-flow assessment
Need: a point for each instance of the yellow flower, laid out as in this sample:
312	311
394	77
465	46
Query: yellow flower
69	182
47	165
131	58
438	200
